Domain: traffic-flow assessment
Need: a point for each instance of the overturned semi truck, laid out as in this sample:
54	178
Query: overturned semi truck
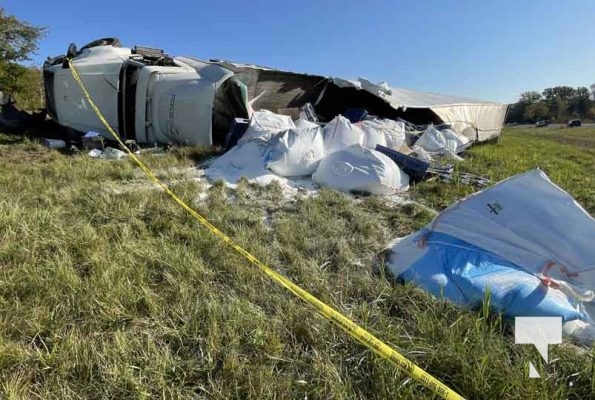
151	97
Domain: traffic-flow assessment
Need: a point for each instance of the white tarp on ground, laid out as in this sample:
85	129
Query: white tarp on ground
476	119
529	221
245	160
248	161
513	238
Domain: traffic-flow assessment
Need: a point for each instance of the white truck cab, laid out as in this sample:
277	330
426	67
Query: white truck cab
144	94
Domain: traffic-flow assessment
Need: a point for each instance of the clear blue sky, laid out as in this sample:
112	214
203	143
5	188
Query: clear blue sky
490	50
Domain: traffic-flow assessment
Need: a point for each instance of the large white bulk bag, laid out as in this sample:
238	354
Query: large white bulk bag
385	132
431	140
304	123
434	140
373	133
341	133
296	152
357	169
394	132
264	124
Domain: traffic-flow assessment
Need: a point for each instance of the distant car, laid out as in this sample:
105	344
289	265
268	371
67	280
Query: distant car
573	122
542	123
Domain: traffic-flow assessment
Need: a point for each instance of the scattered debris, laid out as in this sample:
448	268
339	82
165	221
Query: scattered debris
275	148
442	142
92	140
154	151
464	178
95	153
54	143
112	154
415	168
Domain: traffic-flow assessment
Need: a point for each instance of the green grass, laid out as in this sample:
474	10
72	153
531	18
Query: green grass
109	290
566	155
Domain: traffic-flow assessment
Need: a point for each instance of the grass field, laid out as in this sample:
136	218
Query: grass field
109	290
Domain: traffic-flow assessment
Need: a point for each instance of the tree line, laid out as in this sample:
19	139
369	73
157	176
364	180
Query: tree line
557	104
18	40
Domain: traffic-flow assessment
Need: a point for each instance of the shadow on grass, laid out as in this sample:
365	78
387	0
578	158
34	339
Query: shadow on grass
8	139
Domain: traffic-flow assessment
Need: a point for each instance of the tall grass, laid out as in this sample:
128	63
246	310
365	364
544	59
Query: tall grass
113	293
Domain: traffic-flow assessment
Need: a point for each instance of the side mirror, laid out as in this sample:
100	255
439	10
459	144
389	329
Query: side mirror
71	52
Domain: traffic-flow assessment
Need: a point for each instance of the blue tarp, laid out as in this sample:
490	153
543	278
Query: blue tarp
456	270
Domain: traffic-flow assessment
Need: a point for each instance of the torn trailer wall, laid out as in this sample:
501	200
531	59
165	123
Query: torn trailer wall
275	90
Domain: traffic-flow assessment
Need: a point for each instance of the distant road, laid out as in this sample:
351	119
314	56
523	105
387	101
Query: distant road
553	126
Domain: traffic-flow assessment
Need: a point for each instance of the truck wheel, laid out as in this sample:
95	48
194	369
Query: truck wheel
102	42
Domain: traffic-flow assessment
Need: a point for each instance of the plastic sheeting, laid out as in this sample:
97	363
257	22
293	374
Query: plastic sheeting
461	272
476	121
340	133
357	169
247	161
503	238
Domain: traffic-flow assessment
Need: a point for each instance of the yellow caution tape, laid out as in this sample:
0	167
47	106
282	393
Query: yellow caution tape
353	329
